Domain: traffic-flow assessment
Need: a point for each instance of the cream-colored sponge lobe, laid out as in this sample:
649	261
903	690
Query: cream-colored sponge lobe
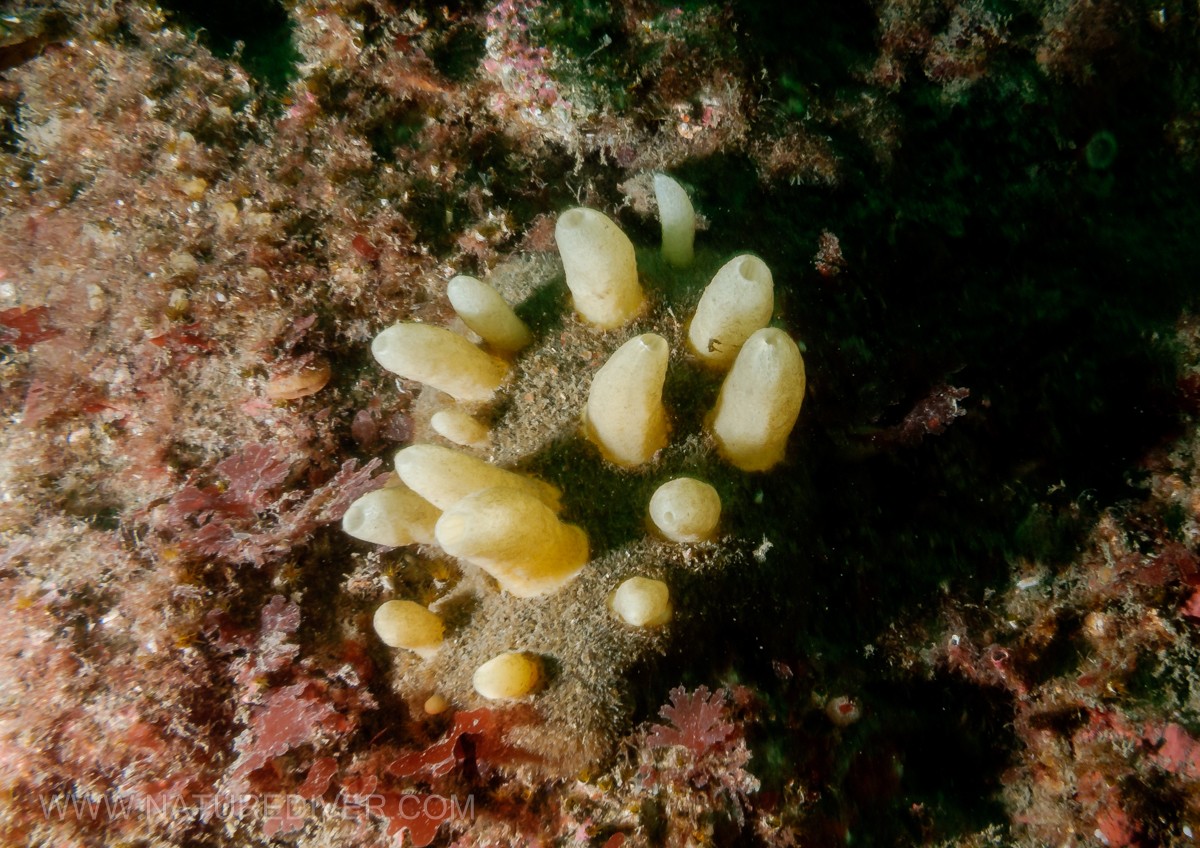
508	676
439	358
483	310
407	624
686	510
738	301
678	220
759	401
642	602
394	516
600	267
515	538
625	417
456	426
444	476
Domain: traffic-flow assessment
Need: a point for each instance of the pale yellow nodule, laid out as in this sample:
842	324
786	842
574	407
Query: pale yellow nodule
407	624
439	358
487	313
444	476
678	220
508	676
624	416
737	302
435	704
394	516
686	510
759	401
460	428
600	267
515	538
642	602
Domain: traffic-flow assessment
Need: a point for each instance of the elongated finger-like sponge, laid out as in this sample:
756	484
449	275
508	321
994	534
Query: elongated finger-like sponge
439	358
738	301
685	510
444	476
483	310
508	676
600	267
678	220
407	624
625	417
759	401
515	538
394	516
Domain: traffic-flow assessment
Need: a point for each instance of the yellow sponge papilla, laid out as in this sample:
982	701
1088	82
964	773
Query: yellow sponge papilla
516	538
759	401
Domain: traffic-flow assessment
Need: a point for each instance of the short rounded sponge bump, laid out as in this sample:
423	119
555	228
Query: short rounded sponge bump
439	358
456	426
407	624
508	676
678	220
395	516
685	510
487	313
624	416
444	476
600	267
515	538
759	401
642	602
738	301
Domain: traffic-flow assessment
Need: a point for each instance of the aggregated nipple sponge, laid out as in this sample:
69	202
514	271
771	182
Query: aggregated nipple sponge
483	310
624	416
407	624
759	401
439	358
528	595
738	301
516	538
600	268
686	510
444	476
678	220
395	516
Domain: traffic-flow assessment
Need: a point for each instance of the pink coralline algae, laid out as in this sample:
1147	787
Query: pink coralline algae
697	722
701	754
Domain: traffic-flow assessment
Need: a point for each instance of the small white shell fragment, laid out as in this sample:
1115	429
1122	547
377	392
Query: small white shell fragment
685	510
407	624
642	602
487	313
508	676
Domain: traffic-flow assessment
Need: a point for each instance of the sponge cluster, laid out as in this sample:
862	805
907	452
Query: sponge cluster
520	558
